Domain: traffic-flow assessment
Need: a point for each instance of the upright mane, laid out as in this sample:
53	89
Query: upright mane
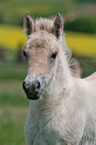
73	63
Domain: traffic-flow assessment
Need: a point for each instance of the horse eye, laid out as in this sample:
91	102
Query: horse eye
24	53
54	55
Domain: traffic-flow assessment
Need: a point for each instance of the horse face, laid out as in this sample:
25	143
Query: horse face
40	52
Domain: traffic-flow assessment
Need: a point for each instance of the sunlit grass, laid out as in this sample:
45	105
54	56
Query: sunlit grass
11	37
81	43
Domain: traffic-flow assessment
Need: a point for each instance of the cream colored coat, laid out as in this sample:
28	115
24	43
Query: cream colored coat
66	112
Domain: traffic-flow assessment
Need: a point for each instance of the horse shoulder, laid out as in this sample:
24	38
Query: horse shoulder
91	77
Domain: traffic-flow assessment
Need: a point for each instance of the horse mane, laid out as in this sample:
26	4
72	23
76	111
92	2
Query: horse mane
73	63
47	25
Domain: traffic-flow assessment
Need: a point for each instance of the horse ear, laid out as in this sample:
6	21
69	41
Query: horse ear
58	25
29	25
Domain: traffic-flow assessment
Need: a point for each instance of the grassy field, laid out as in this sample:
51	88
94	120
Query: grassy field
11	36
12	11
81	43
14	106
12	121
13	113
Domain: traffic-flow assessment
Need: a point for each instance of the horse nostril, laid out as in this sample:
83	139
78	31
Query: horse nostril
37	86
25	86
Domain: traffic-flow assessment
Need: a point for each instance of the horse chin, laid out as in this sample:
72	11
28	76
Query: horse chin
33	97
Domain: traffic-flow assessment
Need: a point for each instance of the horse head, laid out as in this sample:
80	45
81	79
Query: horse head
41	51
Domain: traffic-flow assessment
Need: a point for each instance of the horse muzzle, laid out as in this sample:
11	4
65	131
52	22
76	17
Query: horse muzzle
34	86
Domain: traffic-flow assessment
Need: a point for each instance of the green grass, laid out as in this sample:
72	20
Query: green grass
12	71
13	112
12	94
12	11
13	102
12	121
88	65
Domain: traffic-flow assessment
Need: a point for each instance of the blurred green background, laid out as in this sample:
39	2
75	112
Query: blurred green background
80	28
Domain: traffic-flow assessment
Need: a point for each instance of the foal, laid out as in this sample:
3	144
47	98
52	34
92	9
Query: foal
62	106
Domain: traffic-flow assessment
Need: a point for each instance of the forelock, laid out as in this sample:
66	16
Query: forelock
44	24
42	39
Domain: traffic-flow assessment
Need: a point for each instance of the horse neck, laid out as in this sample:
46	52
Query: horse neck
62	75
62	72
61	81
